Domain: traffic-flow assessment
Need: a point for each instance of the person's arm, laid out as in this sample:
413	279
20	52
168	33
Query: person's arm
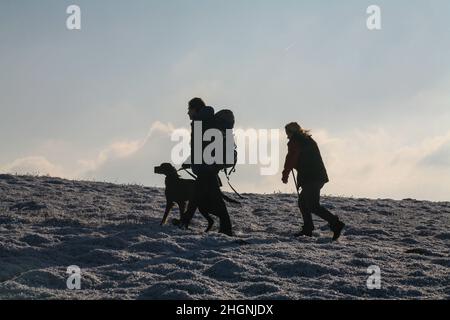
291	160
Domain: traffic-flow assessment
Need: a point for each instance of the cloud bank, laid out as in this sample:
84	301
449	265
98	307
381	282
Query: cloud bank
373	163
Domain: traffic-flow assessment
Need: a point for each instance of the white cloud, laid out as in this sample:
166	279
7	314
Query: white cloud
124	149
372	163
34	165
380	164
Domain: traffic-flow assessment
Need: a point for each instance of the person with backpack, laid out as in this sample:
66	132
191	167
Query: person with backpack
304	156
207	192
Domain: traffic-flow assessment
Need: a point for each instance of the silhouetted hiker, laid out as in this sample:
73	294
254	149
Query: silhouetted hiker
304	156
207	194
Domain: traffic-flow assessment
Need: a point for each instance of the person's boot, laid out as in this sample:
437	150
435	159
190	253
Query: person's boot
304	233
225	223
226	232
337	229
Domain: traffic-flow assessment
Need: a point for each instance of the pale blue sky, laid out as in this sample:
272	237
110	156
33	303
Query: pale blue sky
378	101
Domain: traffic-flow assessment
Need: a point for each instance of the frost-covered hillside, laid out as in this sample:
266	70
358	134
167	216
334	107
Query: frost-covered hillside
112	233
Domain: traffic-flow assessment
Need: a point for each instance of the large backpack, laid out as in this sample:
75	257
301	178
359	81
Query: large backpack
223	121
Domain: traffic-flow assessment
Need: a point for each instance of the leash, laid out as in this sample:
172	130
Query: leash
226	175
234	190
229	183
191	174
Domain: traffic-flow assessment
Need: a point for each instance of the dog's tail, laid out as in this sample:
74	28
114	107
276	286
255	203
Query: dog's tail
229	200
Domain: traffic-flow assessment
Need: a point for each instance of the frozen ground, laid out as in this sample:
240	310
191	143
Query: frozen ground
112	232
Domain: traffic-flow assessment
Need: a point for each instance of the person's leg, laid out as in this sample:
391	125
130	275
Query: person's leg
218	206
224	217
326	215
319	210
335	224
304	202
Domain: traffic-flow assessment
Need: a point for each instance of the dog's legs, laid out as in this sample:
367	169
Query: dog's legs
182	206
207	217
169	206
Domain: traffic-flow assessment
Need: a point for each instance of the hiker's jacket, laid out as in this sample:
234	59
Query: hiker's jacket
206	116
304	156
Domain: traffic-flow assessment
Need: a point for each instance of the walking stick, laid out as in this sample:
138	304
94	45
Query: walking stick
295	181
296	189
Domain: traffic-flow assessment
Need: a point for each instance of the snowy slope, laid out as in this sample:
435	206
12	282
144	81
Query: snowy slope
112	232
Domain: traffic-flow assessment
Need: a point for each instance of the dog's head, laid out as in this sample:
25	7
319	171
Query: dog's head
166	169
